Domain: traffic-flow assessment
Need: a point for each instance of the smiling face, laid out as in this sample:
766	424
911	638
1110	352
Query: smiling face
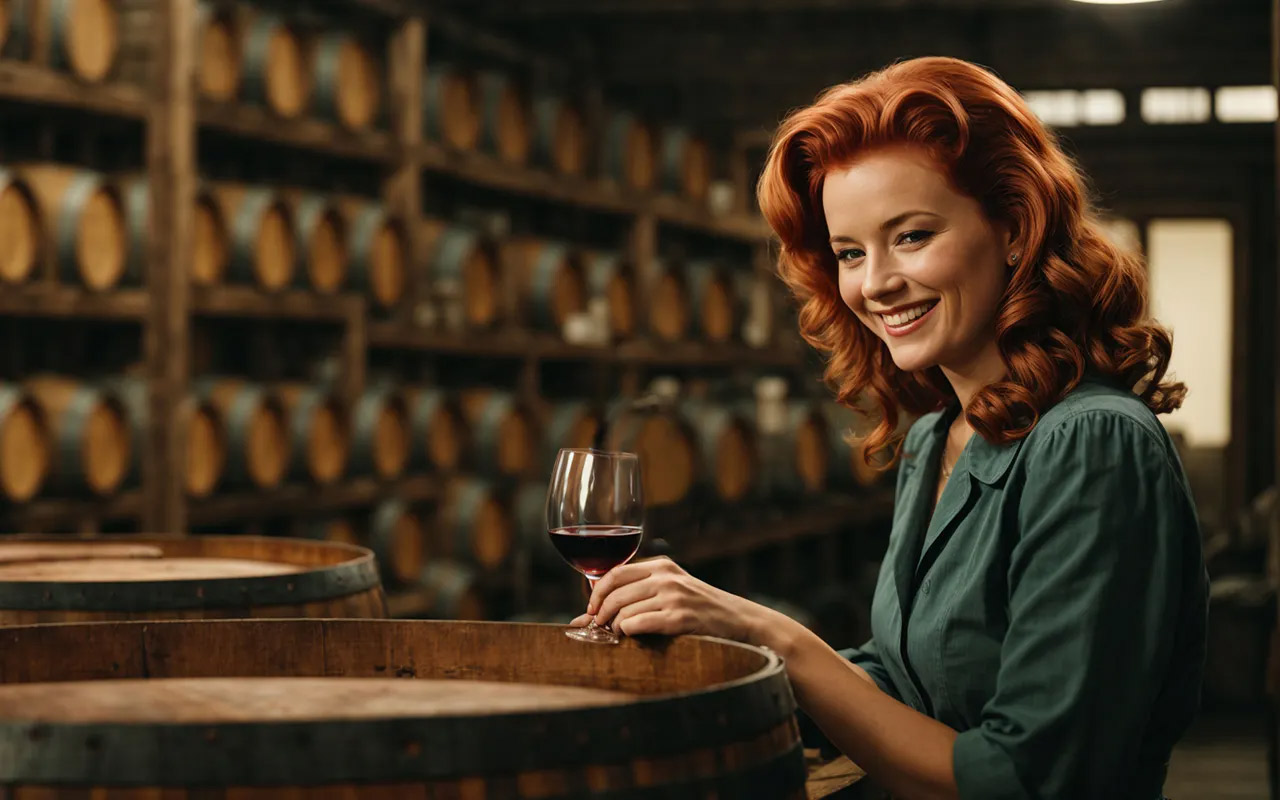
920	264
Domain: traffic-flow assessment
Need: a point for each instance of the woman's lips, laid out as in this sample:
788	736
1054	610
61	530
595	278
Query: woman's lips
910	327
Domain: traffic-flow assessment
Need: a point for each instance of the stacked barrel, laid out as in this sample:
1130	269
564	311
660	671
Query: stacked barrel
478	109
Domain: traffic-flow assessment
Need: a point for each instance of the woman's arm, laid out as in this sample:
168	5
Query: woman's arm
909	753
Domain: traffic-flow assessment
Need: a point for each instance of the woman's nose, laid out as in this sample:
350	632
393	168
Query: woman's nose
879	278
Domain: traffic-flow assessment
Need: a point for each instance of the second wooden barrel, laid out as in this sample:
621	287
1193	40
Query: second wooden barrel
450	106
59	579
504	433
438	429
20	246
24	445
261	239
628	152
218	63
206	446
379	254
277	72
686	164
669	312
256	430
551	281
559	135
320	233
504	118
84	220
667	450
84	36
348	80
476	524
463	265
319	431
730	452
380	439
211	248
714	301
92	441
392	708
398	538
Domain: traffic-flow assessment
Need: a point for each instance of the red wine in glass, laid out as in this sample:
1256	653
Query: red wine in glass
593	550
595	514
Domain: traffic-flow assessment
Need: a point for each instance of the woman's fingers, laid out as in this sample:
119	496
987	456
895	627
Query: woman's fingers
666	622
622	622
580	621
623	597
620	576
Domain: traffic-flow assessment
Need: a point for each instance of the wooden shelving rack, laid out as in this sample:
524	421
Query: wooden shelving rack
175	120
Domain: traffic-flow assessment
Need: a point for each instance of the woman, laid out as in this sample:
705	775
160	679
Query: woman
1038	624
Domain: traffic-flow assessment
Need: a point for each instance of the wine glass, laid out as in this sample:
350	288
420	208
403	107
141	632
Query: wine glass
595	516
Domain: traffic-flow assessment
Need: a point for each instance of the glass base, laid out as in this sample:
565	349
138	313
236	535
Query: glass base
593	633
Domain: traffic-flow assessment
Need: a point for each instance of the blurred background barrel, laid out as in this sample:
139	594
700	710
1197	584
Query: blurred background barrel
797	459
84	223
379	254
667	448
464	270
729	447
453	592
380	437
451	106
669	307
438	430
321	242
686	164
572	425
476	524
348	80
503	432
20	235
559	135
522	686
551	283
398	537
505	127
277	66
211	242
262	252
200	577
629	153
91	435
611	279
713	301
218	63
25	445
83	36
319	432
205	445
256	430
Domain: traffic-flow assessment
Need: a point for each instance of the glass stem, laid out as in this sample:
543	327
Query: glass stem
591	585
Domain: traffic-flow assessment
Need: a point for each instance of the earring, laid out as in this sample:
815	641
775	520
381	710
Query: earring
1013	260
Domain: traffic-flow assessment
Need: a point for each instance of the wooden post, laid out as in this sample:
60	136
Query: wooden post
403	187
171	175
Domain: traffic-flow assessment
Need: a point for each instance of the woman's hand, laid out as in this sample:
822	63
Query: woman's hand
657	596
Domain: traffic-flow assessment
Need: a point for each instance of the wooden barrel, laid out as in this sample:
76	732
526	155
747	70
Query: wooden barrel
714	299
131	392
218	65
505	127
256	430
729	448
463	265
398	537
24	445
492	710
92	440
44	579
610	277
348	81
667	449
380	439
476	525
669	312
452	592
84	37
686	165
529	507
211	250
551	282
628	152
451	106
206	446
319	432
84	218
320	236
574	425
797	460
20	236
438	430
848	467
261	242
341	529
504	433
277	72
379	254
559	135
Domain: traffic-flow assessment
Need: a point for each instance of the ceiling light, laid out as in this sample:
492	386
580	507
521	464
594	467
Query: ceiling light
1116	2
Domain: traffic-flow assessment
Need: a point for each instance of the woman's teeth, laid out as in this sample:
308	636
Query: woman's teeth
903	317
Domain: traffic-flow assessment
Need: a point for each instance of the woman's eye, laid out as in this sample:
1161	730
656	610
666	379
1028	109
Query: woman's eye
848	256
914	237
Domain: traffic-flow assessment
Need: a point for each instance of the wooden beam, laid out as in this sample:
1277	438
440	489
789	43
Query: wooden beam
171	175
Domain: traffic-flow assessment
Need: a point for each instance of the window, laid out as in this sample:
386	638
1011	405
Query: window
1246	104
1176	105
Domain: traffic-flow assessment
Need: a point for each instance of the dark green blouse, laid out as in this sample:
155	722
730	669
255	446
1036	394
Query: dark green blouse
1052	608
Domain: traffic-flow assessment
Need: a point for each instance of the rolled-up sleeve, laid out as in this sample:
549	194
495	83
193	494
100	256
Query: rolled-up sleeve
868	657
1094	591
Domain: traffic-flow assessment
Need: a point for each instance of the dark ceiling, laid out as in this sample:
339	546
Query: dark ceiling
739	65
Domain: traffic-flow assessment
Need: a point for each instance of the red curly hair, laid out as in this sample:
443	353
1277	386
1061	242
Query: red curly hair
1074	302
